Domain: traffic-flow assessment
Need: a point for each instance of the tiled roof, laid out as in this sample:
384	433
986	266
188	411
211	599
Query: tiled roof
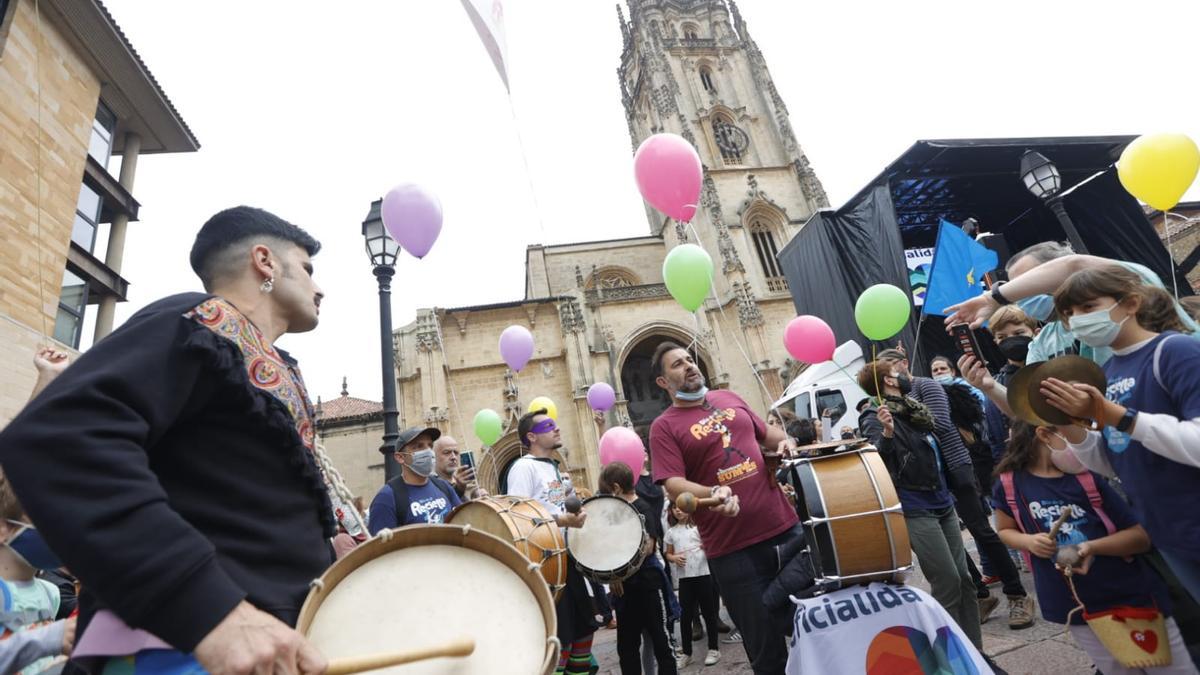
345	407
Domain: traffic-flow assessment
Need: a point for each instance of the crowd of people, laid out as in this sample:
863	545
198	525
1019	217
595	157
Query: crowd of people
170	487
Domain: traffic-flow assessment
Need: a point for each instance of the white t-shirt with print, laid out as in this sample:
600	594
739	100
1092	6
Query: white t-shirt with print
540	479
685	540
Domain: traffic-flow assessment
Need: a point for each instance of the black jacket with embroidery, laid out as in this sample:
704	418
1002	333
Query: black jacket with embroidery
167	482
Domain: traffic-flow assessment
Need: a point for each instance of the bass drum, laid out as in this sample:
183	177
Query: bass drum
852	518
422	585
611	545
526	524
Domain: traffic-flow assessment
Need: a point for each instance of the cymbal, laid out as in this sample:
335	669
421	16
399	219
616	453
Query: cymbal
1019	394
1068	368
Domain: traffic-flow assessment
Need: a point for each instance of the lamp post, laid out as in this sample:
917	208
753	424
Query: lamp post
1042	179
382	250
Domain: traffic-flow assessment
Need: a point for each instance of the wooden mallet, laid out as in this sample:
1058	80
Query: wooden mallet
688	502
361	664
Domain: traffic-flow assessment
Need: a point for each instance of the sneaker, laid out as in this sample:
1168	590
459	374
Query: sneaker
712	657
733	638
1021	610
682	661
990	580
987	606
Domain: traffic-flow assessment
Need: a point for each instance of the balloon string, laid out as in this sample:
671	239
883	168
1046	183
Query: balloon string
875	372
1170	252
437	322
712	290
537	208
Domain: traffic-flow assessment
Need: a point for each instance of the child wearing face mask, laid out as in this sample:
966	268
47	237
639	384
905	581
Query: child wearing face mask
31	641
1149	415
1038	480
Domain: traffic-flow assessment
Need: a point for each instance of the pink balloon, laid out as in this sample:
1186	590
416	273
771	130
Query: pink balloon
669	174
809	339
622	444
601	396
413	216
516	346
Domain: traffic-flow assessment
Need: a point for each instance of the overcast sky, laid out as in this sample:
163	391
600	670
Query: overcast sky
313	109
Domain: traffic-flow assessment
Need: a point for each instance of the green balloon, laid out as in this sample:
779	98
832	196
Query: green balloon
688	272
488	426
881	311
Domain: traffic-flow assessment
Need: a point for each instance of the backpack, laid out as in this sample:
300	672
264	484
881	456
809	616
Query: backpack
400	495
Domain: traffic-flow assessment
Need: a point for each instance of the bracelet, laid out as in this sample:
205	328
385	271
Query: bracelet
998	296
713	492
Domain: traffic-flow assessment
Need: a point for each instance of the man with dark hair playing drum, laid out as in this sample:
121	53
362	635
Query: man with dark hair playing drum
640	601
710	444
537	476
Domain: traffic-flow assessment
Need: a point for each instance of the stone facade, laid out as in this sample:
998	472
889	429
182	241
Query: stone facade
36	228
1182	236
598	309
58	61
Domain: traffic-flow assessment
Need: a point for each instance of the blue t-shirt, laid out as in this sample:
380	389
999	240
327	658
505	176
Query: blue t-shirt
1111	581
1162	491
426	504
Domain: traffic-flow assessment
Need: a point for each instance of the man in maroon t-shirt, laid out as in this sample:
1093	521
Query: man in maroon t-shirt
710	443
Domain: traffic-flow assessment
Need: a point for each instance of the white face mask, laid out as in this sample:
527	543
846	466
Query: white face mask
1065	460
1097	329
944	379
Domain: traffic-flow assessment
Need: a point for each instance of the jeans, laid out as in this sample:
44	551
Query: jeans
743	575
935	538
698	593
970	508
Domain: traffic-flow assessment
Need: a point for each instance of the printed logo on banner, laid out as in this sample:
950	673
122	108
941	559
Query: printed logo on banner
904	650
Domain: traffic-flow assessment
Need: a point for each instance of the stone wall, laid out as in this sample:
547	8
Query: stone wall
34	253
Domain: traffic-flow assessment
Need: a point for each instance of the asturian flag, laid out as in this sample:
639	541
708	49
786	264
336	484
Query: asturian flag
488	19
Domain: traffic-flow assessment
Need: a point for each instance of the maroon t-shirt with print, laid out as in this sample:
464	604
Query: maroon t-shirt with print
718	444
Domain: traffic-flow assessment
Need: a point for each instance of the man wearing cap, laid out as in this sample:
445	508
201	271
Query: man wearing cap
416	496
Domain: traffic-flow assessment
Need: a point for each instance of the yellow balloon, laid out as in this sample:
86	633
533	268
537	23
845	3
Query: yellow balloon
544	402
1159	168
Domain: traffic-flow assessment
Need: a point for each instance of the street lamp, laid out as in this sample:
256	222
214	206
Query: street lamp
382	250
1041	178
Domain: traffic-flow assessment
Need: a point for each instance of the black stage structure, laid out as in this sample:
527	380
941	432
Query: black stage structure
839	253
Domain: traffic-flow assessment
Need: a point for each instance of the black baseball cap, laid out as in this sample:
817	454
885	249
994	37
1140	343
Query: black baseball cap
410	434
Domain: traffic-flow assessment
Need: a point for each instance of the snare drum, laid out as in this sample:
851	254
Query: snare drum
852	518
611	544
527	525
424	584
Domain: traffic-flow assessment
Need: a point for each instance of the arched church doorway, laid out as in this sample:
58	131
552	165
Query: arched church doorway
646	400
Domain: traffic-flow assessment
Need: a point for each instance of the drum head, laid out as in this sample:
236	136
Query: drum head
610	537
430	584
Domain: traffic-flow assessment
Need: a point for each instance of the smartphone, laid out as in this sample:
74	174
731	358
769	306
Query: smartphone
966	341
468	459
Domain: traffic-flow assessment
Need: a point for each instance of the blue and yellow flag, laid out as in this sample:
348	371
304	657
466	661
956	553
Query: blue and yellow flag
956	273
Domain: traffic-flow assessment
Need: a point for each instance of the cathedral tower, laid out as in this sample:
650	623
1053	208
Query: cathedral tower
690	67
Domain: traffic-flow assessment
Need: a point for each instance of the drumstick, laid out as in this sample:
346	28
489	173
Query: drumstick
1062	518
359	664
688	502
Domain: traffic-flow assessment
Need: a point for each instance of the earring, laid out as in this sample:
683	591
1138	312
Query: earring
268	285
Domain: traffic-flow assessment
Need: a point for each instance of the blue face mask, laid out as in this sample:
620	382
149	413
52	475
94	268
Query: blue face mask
690	396
1039	307
945	379
32	548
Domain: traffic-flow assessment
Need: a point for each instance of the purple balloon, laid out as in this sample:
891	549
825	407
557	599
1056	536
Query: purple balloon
516	346
413	216
601	396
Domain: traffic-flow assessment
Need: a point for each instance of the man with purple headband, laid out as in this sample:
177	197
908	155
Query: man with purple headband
537	476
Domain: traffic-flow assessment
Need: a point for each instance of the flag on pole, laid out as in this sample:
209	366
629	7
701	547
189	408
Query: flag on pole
488	18
956	273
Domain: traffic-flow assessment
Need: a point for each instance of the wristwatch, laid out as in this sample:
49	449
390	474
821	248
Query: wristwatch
1127	419
998	296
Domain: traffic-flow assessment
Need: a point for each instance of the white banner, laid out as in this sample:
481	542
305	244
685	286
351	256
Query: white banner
488	18
918	261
